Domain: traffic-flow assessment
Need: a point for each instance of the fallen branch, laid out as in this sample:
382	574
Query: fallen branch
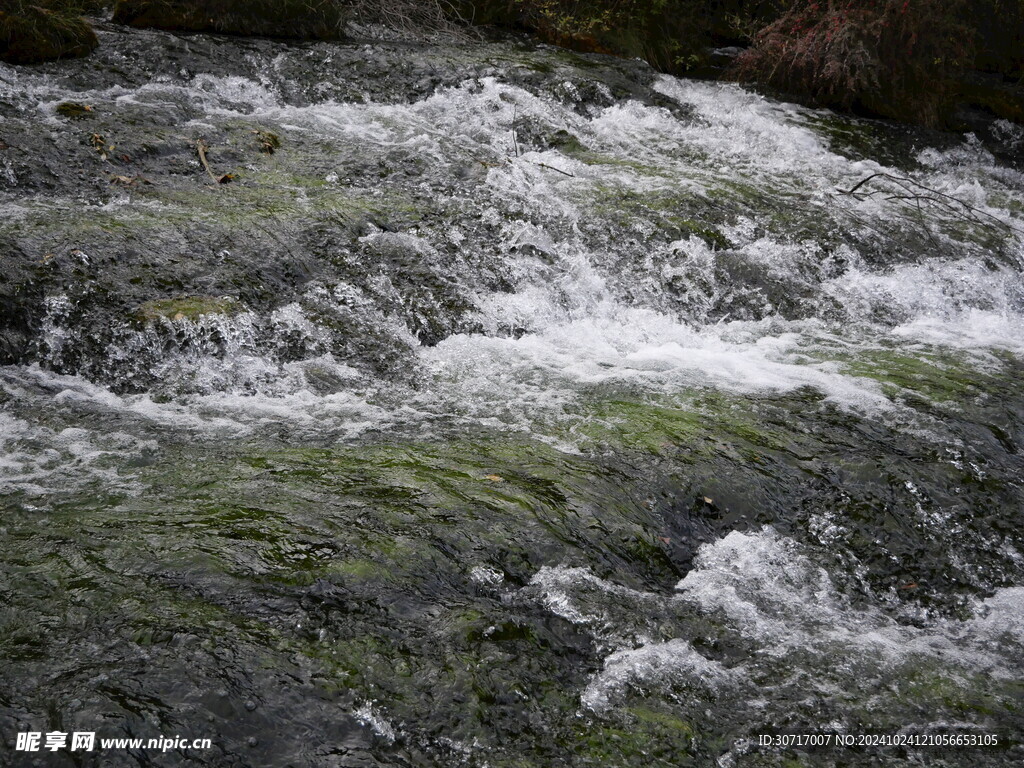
201	147
916	193
508	161
552	168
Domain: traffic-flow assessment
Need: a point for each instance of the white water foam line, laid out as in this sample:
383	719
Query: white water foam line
675	662
221	414
37	460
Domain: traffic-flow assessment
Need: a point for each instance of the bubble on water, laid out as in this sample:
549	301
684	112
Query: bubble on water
368	714
486	576
674	663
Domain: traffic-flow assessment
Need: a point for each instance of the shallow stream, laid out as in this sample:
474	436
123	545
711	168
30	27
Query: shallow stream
505	407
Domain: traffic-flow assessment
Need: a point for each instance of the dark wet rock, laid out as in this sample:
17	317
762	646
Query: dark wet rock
994	94
535	133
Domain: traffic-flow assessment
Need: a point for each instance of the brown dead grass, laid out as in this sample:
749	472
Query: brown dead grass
32	32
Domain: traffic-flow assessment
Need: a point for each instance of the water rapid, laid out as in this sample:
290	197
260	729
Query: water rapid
494	405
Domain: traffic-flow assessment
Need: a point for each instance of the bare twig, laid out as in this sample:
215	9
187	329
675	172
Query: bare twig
918	193
556	170
437	18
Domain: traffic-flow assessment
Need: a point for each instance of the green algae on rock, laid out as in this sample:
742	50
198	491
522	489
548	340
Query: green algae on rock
188	308
73	110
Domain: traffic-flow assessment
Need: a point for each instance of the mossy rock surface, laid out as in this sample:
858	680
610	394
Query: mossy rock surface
187	308
73	110
30	34
310	19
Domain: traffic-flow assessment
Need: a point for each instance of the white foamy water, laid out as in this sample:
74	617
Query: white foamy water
578	266
577	327
764	594
370	716
218	415
672	662
763	310
37	460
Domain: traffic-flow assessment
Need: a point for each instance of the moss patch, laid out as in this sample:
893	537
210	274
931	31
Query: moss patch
937	376
187	308
73	110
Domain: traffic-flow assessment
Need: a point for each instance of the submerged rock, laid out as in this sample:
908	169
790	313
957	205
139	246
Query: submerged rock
993	94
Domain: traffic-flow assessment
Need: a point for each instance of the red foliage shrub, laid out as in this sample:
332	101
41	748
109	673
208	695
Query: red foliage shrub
673	35
896	58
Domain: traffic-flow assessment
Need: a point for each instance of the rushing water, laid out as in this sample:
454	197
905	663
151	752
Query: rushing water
522	408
